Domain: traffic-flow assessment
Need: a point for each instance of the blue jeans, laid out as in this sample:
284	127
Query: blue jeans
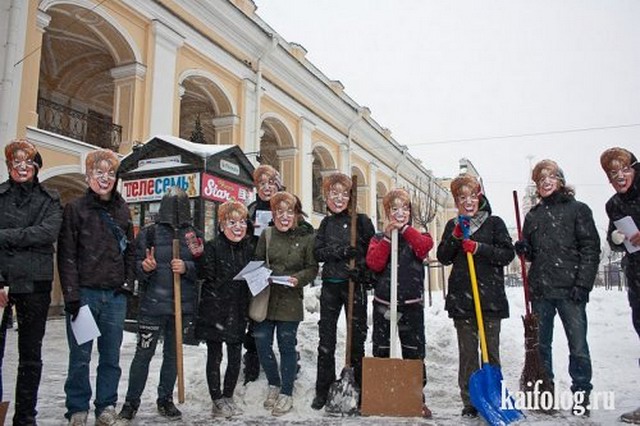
109	311
150	328
287	340
574	321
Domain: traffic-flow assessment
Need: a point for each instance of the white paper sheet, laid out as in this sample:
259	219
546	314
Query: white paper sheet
85	327
282	280
251	266
628	227
257	279
263	218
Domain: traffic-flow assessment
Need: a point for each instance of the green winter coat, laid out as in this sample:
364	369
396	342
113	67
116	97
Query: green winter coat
290	253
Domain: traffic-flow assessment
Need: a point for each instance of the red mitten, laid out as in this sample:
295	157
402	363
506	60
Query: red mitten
196	247
469	246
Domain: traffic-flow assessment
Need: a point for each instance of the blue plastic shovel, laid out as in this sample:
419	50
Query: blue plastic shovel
485	385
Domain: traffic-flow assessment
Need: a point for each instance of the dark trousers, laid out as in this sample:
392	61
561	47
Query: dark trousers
214	358
32	310
410	331
333	298
469	356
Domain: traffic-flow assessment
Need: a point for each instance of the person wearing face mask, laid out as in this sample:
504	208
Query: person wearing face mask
267	183
623	171
333	247
96	261
222	316
560	240
288	252
30	219
490	244
413	247
155	268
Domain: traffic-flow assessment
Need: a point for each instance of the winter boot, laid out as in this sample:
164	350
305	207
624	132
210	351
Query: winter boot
167	409
272	397
284	404
632	417
128	412
220	408
78	419
108	417
235	410
469	411
319	402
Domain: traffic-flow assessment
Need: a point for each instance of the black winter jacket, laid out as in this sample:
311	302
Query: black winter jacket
494	252
619	206
222	315
157	285
565	246
333	236
30	219
88	252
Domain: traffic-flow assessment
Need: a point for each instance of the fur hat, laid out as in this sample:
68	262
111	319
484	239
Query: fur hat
22	145
333	179
615	158
465	179
549	165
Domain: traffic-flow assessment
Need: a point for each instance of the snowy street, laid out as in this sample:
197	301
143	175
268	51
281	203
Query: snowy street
614	350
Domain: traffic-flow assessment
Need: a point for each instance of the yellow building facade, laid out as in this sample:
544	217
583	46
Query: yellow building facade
81	74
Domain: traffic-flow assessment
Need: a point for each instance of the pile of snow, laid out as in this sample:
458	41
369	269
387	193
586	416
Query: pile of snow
613	343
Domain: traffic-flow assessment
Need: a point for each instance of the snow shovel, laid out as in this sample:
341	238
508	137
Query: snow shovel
485	385
533	371
177	307
344	394
392	386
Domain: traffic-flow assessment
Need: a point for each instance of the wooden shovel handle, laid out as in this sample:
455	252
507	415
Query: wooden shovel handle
177	305
523	268
352	264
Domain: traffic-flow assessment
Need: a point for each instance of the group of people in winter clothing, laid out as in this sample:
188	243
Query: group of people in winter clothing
99	258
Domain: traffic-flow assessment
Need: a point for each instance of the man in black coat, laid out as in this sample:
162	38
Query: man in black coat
30	218
561	241
623	172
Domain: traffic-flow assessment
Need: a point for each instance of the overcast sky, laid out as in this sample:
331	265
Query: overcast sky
565	73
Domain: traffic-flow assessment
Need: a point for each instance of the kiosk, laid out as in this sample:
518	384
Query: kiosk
209	174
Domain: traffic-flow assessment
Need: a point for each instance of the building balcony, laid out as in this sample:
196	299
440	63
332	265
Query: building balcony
92	127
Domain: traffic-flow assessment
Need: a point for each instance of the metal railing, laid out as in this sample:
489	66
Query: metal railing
90	128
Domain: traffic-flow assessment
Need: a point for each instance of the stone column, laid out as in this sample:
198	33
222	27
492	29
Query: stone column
287	158
224	129
373	191
305	159
127	99
164	95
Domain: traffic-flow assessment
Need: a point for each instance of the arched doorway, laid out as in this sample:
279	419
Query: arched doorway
323	164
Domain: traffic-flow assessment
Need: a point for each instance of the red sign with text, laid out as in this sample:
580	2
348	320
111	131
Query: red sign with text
216	189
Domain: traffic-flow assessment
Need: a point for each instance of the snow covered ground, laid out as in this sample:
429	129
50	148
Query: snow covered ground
614	349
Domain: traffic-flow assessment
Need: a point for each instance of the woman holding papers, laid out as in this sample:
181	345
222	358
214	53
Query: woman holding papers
222	316
287	248
623	171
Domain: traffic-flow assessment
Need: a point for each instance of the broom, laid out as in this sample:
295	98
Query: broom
533	371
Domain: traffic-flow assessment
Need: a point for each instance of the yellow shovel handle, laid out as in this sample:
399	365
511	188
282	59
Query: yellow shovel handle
476	303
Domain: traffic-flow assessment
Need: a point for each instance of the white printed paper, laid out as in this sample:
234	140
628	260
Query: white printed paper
85	327
263	217
258	279
628	227
251	266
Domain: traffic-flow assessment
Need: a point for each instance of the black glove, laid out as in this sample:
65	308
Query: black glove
522	248
72	308
349	252
579	294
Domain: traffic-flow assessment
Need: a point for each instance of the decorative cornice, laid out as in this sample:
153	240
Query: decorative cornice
42	20
227	120
287	152
129	70
167	36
